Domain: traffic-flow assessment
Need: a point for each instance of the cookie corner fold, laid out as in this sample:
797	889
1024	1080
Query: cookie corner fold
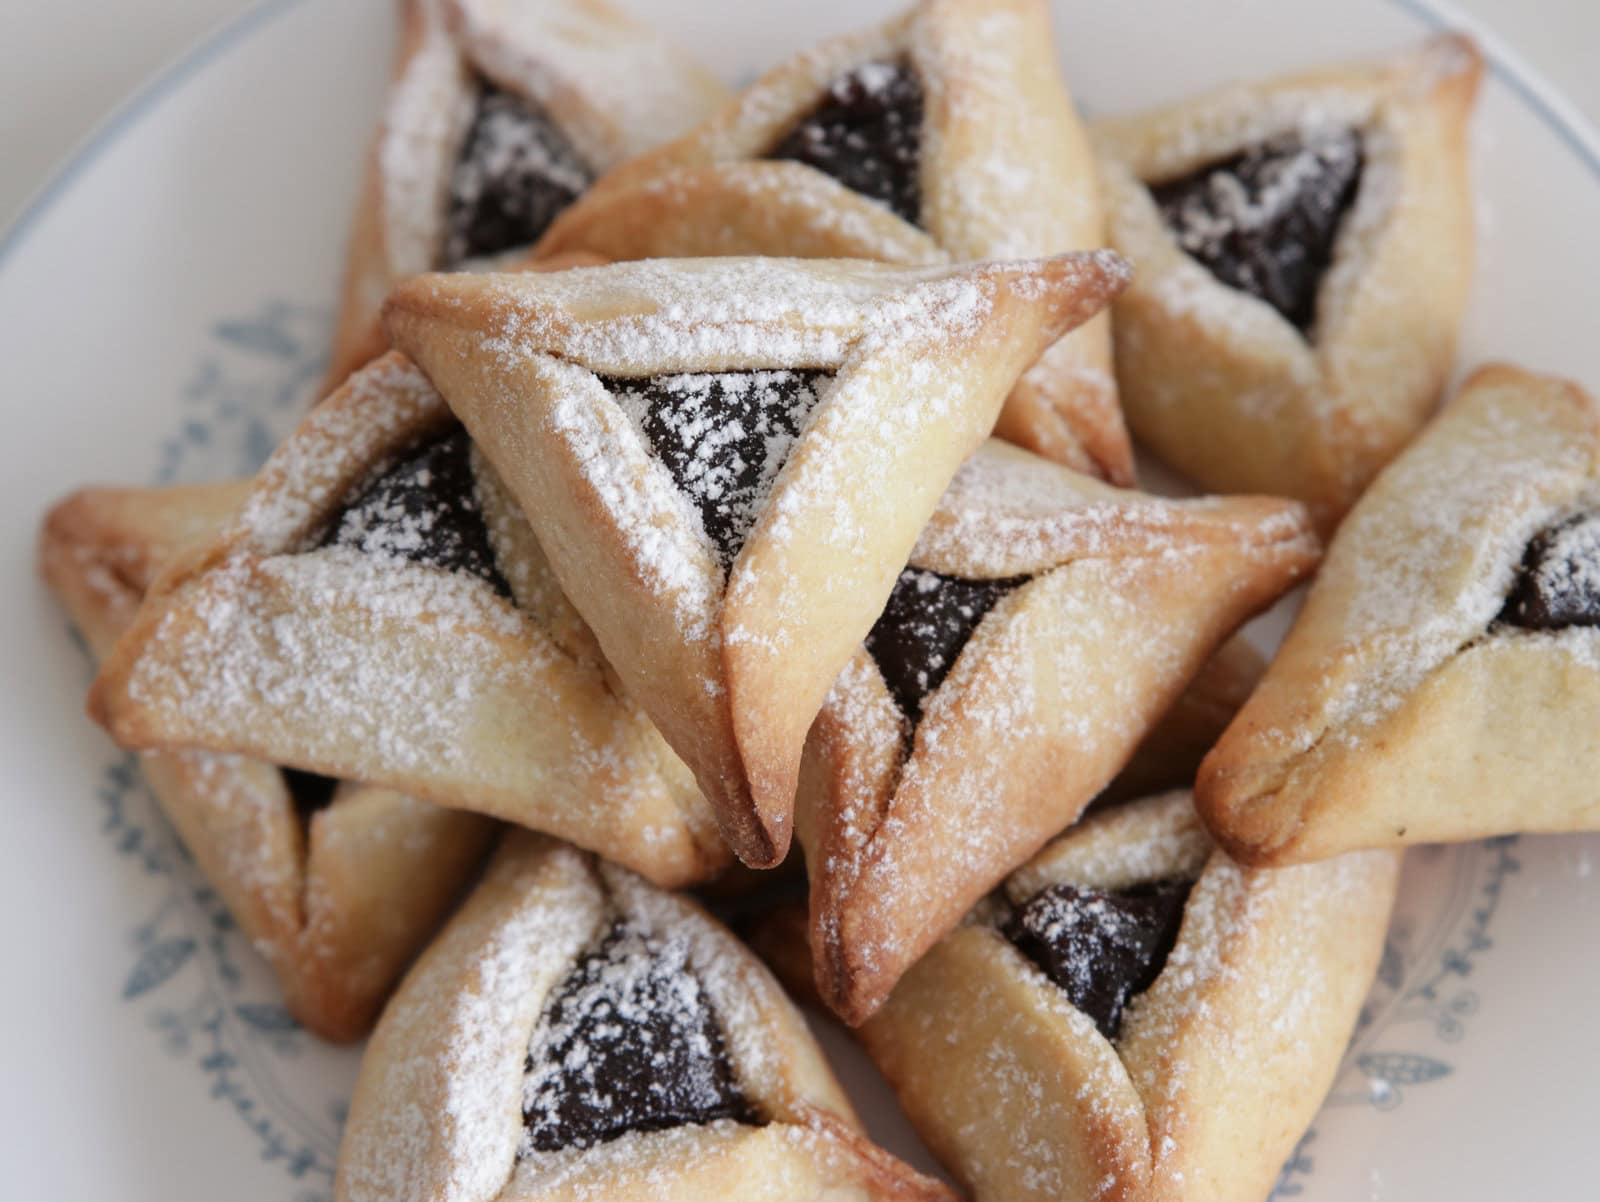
1249	804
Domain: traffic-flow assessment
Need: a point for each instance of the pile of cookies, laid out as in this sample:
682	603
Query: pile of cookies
702	475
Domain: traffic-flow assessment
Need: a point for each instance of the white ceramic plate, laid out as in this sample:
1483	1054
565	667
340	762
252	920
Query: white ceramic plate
162	307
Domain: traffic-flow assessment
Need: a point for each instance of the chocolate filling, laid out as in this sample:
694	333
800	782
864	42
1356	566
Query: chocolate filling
1558	584
723	436
928	620
1101	946
628	1042
516	172
867	134
423	509
1265	221
309	791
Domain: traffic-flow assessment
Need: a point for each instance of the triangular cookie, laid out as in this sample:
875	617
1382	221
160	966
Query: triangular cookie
575	1033
1443	680
728	461
1304	248
1043	626
1130	1015
943	135
379	610
337	885
500	114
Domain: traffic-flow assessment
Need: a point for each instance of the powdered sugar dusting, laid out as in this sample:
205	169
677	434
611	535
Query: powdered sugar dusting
1253	980
512	144
1213	130
612	86
1424	563
807	203
1150	841
260	631
651	515
307	651
1221	124
444	1121
737	985
1010	195
1204	222
296	654
430	106
652	1162
527	569
514	174
627	1042
1261	977
334	449
657	318
302	896
957	787
1007	512
617	86
1561	573
724	437
662	316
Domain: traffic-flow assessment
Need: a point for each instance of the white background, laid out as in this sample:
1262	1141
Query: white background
65	64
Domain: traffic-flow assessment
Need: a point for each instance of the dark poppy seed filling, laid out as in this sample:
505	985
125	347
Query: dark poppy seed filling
309	791
1265	221
628	1042
423	509
928	620
723	436
1101	947
867	134
1558	584
516	172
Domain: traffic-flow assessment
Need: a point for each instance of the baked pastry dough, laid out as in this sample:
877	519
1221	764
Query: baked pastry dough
1132	1016
1170	755
337	885
379	610
944	135
576	1034
728	461
1044	624
500	113
1443	680
1304	250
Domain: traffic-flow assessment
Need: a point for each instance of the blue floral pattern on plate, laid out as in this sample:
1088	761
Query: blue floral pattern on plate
1448	902
207	995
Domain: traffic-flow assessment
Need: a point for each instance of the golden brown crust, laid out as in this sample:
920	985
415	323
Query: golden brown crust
1005	173
1397	710
732	673
1218	1066
101	549
337	909
1218	383
260	643
1126	597
437	1111
1170	754
610	84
